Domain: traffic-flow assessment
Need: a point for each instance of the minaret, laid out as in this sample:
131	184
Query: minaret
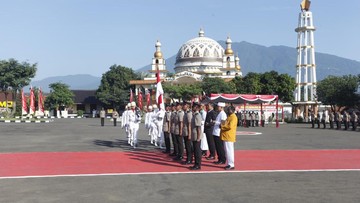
306	66
231	68
158	62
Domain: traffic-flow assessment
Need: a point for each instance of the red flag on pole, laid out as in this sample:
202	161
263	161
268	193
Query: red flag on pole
140	99
131	96
159	91
24	108
40	101
32	101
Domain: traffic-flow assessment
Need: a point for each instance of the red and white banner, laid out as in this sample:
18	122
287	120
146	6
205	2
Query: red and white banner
32	101
40	101
159	92
140	99
24	109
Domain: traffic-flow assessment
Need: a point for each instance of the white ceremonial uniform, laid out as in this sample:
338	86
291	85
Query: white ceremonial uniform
125	124
153	127
160	114
134	121
204	144
148	121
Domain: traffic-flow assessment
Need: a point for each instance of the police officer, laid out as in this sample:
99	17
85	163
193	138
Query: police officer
209	127
102	116
262	119
172	129
196	136
179	118
318	119
115	116
323	119
354	120
166	128
312	115
186	133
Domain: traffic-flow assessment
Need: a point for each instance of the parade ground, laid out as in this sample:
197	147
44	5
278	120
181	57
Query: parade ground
77	160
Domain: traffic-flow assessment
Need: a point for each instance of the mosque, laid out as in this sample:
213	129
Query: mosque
197	58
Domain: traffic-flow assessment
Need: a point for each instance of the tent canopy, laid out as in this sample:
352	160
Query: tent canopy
241	98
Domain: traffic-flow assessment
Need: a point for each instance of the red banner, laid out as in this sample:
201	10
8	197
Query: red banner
32	101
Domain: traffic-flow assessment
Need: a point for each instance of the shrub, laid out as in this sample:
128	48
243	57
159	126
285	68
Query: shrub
80	113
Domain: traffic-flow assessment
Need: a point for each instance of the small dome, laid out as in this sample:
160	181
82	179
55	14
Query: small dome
158	55
229	52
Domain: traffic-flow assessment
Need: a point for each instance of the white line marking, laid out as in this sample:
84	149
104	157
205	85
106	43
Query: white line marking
179	173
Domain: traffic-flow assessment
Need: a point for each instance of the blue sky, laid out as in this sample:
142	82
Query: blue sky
68	37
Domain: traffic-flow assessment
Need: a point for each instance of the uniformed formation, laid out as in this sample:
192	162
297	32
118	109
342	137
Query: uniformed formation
193	130
131	119
250	119
336	120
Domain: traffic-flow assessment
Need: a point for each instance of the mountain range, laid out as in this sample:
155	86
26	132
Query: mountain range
253	58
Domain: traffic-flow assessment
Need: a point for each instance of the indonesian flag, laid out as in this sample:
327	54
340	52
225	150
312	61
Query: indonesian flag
131	95
32	101
159	91
140	99
24	108
40	101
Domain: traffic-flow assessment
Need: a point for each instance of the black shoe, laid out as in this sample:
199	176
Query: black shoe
173	154
219	162
178	158
228	167
166	152
195	168
210	158
186	163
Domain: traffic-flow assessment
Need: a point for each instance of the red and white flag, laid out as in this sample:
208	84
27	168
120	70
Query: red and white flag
131	95
24	109
159	92
140	99
40	101
32	101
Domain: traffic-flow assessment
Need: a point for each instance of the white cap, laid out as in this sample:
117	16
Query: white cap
155	106
221	104
150	107
133	104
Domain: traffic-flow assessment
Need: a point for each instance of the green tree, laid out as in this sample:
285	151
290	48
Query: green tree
60	95
339	91
217	85
250	84
114	87
183	92
14	76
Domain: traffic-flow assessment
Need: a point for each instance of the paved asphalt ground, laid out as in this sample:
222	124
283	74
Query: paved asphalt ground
86	135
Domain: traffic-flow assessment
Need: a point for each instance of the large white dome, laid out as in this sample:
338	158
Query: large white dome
200	51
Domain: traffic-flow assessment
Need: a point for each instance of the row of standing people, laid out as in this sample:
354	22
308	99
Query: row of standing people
250	119
197	130
337	119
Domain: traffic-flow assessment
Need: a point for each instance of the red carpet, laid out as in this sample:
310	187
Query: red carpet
66	163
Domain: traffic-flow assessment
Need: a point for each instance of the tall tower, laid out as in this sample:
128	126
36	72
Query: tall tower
231	65
305	92
158	62
306	67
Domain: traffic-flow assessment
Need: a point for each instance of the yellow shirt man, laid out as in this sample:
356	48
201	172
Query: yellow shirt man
228	129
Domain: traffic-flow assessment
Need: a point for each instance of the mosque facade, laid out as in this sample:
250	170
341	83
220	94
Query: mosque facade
197	58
